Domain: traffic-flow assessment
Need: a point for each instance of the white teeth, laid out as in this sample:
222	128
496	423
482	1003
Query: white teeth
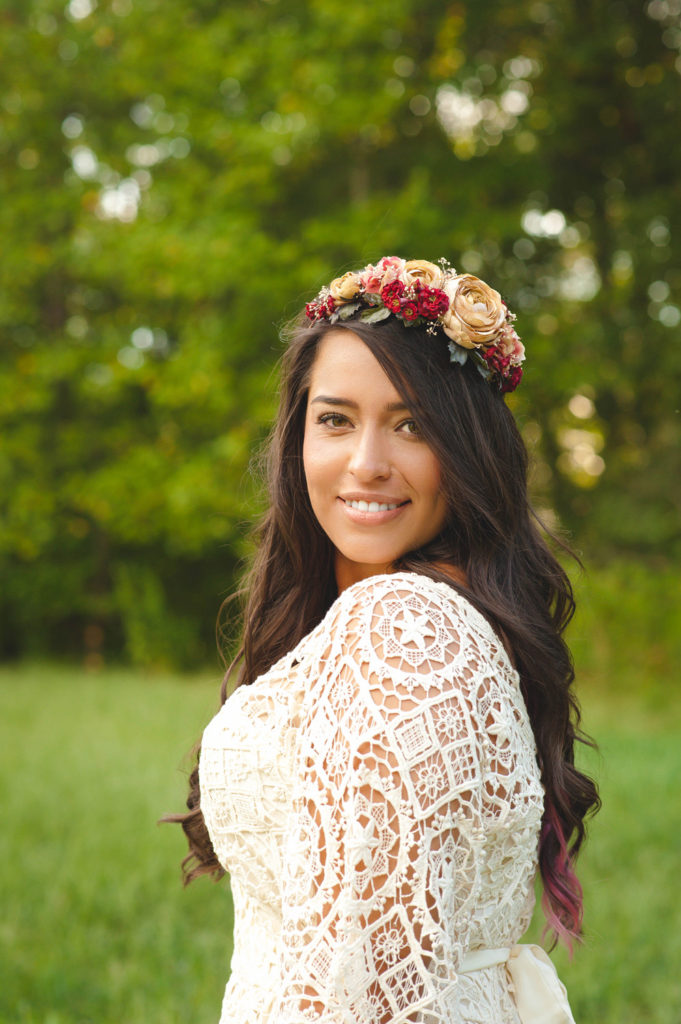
371	506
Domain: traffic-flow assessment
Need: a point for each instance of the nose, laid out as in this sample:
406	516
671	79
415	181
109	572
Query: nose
369	459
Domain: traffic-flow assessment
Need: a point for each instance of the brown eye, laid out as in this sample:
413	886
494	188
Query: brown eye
333	419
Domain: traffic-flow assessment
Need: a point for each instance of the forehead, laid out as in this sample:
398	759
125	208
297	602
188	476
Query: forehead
344	363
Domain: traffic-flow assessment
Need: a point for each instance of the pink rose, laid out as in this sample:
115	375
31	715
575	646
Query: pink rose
390	267
511	345
370	278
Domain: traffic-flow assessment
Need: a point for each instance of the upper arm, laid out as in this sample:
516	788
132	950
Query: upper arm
382	858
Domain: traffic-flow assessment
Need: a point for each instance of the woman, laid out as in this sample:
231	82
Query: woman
401	763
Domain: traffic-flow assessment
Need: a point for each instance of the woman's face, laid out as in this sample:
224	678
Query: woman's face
373	482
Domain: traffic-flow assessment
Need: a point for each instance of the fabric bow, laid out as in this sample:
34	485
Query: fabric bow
540	996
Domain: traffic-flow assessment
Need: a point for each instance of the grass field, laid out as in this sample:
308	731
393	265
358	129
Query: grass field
95	926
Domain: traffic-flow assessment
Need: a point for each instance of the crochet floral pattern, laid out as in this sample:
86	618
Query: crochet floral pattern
376	799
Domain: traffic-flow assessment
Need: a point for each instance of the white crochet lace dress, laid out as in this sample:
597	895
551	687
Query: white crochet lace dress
376	800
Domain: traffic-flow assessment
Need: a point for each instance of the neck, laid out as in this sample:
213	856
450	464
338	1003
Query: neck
348	573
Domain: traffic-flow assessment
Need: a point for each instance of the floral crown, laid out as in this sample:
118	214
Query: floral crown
472	315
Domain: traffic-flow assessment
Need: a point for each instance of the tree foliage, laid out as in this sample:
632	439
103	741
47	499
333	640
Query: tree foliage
179	178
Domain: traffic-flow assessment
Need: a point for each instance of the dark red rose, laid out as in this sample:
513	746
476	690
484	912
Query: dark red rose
409	310
512	380
391	296
320	309
495	359
432	301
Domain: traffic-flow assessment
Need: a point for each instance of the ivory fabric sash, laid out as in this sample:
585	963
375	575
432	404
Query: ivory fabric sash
539	994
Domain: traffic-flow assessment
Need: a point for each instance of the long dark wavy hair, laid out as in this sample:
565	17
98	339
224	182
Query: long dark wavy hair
491	535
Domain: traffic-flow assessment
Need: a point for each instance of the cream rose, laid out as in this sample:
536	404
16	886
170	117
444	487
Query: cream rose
422	270
476	313
345	288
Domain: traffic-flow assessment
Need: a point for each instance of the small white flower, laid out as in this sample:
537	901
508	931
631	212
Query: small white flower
430	781
450	722
389	946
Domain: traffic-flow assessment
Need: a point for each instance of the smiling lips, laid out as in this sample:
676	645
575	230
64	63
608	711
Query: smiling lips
373	510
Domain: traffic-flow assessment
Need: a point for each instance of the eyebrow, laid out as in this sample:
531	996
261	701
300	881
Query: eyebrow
333	400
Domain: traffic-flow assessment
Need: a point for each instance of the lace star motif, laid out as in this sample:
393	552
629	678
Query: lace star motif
415	629
361	842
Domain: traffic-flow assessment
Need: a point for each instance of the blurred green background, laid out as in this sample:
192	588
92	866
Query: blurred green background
177	179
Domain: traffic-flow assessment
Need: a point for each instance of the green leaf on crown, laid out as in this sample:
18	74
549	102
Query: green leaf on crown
346	311
372	316
457	354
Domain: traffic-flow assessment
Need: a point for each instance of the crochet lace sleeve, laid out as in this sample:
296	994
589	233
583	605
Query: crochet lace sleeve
382	865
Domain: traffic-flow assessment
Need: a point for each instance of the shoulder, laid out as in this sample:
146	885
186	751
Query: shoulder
410	621
391	594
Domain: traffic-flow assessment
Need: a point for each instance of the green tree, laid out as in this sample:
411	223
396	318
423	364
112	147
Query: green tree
179	178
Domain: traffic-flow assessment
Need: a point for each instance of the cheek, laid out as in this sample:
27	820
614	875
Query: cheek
308	455
430	478
435	505
315	465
